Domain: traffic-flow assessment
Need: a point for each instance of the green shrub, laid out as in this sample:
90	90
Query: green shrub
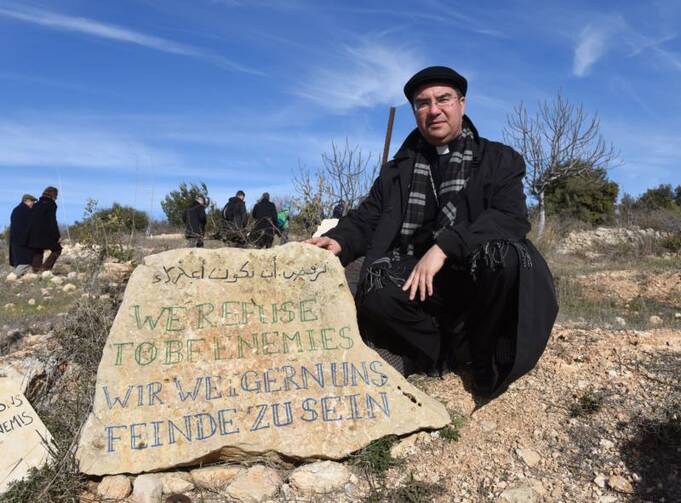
177	201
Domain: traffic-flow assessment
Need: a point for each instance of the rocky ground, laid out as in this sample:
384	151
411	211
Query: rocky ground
599	419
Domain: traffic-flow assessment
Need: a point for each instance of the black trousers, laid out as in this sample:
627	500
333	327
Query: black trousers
424	332
38	264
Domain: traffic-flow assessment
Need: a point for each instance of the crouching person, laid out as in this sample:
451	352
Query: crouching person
447	264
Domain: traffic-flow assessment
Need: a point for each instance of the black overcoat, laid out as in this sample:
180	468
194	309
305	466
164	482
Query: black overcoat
44	230
20	221
194	219
235	212
265	215
491	207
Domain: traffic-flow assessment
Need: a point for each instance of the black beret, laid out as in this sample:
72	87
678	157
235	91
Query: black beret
435	74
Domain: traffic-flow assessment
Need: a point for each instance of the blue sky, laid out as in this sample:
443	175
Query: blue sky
121	101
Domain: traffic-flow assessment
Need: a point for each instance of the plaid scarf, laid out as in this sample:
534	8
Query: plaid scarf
400	261
454	178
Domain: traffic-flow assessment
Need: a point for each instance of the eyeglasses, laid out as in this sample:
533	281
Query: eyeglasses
444	101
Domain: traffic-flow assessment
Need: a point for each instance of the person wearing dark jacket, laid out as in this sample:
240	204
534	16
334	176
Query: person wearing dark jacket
447	268
194	219
265	215
43	231
20	255
235	219
339	209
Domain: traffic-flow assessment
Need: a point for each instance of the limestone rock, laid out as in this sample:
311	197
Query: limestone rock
408	445
116	271
72	275
114	487
11	278
29	276
620	484
68	287
56	280
176	482
21	444
46	274
9	306
529	456
215	478
320	477
147	489
655	321
233	353
488	426
518	494
254	485
325	226
31	302
620	322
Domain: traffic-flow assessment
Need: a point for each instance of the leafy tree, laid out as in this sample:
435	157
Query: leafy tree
588	196
177	201
660	197
561	140
677	195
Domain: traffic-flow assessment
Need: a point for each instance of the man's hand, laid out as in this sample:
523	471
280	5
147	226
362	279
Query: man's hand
421	277
327	243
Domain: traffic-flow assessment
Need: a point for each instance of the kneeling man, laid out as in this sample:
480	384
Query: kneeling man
447	264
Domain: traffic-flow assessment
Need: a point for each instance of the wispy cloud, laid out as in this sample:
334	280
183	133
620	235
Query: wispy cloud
364	76
112	32
591	47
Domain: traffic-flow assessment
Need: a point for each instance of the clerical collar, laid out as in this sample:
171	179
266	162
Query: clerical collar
442	149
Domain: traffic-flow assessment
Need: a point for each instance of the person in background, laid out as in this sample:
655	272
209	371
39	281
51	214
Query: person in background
43	231
265	215
283	224
235	219
339	209
20	255
194	219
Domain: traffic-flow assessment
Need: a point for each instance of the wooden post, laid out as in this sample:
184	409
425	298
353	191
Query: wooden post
388	136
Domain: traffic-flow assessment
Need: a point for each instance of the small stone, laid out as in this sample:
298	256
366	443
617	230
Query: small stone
9	305
254	485
608	498
31	302
320	477
600	480
529	456
40	308
488	426
147	489
45	291
214	478
114	487
407	446
68	287
29	276
655	321
104	296
46	274
621	322
520	494
56	280
176	482
620	484
11	278
72	275
607	444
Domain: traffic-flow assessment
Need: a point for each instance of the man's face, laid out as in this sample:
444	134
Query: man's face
29	202
439	113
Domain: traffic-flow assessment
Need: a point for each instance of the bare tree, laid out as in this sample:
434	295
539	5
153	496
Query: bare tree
345	174
560	141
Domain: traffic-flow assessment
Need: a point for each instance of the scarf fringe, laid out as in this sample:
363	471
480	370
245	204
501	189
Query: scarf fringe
493	254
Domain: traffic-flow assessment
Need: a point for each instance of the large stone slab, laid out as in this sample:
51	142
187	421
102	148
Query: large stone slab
229	353
23	436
